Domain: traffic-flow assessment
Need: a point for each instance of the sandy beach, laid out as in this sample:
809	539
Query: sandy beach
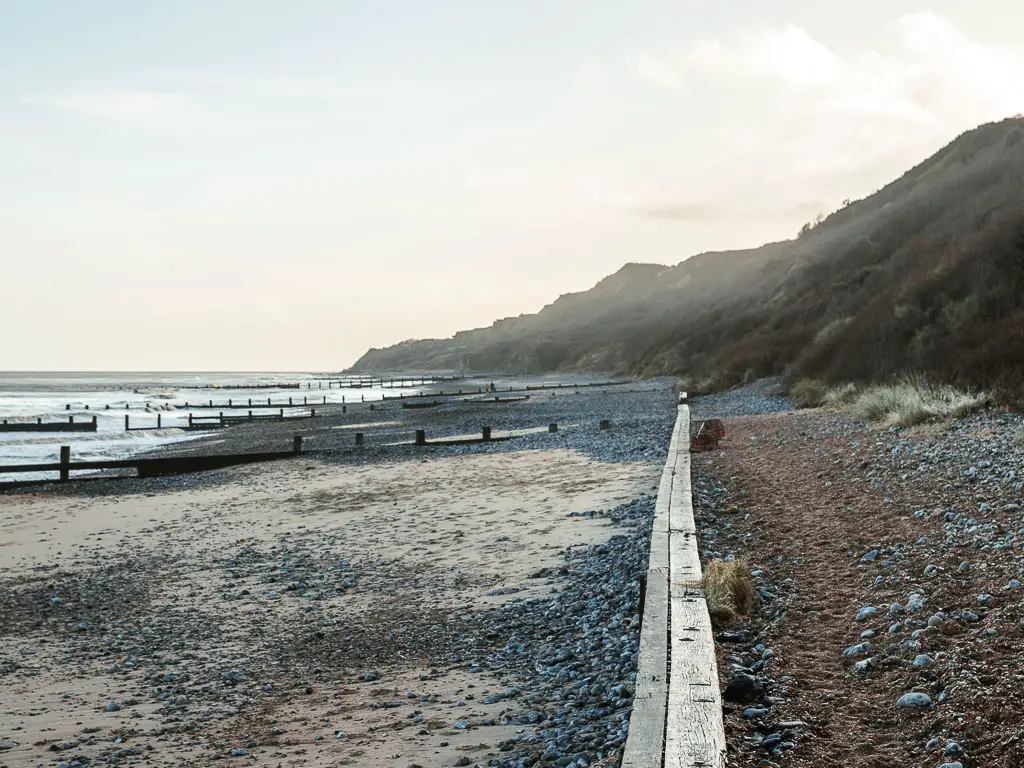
319	611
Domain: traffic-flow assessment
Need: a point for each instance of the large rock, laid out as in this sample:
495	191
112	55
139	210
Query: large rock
743	689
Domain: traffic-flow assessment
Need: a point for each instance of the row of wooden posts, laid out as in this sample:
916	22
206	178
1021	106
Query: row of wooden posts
220	420
164	465
293	401
177	464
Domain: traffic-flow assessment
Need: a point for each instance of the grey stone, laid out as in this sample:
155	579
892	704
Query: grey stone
866	613
861	649
743	689
914	700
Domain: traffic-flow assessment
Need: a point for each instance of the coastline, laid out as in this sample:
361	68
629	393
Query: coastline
403	596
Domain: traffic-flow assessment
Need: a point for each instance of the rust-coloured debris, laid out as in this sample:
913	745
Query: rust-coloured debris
716	428
708	435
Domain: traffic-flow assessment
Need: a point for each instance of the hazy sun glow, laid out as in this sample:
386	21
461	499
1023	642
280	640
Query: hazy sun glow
238	185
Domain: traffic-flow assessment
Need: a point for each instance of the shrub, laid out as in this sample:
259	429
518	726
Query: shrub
913	401
809	393
728	589
832	330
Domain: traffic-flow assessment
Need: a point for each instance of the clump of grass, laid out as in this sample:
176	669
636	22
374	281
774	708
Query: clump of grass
913	401
809	393
842	395
728	590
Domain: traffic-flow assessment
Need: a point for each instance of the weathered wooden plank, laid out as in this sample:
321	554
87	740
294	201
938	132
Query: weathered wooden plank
645	744
694	734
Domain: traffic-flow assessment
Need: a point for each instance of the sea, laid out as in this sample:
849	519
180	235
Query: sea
109	396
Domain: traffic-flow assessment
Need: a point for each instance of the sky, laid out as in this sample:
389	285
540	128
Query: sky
272	185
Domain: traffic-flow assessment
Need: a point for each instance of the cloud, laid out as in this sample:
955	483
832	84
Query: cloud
710	211
700	211
788	55
658	72
793	120
175	112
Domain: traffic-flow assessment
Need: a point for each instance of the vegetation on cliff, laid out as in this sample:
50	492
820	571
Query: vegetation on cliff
925	276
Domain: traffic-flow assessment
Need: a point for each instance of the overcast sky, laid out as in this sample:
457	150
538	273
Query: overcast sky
257	184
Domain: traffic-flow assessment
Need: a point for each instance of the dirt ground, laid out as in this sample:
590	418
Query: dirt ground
806	497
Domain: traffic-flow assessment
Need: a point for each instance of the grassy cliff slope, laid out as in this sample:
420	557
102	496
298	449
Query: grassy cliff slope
926	275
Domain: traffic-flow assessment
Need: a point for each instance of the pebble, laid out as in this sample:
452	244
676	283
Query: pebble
861	649
866	613
914	700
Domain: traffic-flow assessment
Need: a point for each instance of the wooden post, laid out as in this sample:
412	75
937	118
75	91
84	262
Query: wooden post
67	407
281	413
487	434
552	427
289	401
359	439
344	409
312	413
297	445
421	437
94	422
362	398
39	420
304	400
159	420
250	415
371	406
65	462
268	401
221	418
126	422
190	421
250	402
71	419
211	403
343	398
229	403
325	399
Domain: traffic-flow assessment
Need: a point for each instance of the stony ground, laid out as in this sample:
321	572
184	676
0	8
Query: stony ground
245	616
889	628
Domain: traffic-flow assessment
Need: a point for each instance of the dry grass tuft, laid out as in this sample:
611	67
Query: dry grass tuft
913	401
842	395
809	393
729	590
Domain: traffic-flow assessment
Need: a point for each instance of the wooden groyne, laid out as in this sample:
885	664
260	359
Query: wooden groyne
292	385
52	426
509	390
218	421
169	465
676	720
232	404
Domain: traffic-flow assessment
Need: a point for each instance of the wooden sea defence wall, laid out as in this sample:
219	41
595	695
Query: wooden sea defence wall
677	708
165	465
